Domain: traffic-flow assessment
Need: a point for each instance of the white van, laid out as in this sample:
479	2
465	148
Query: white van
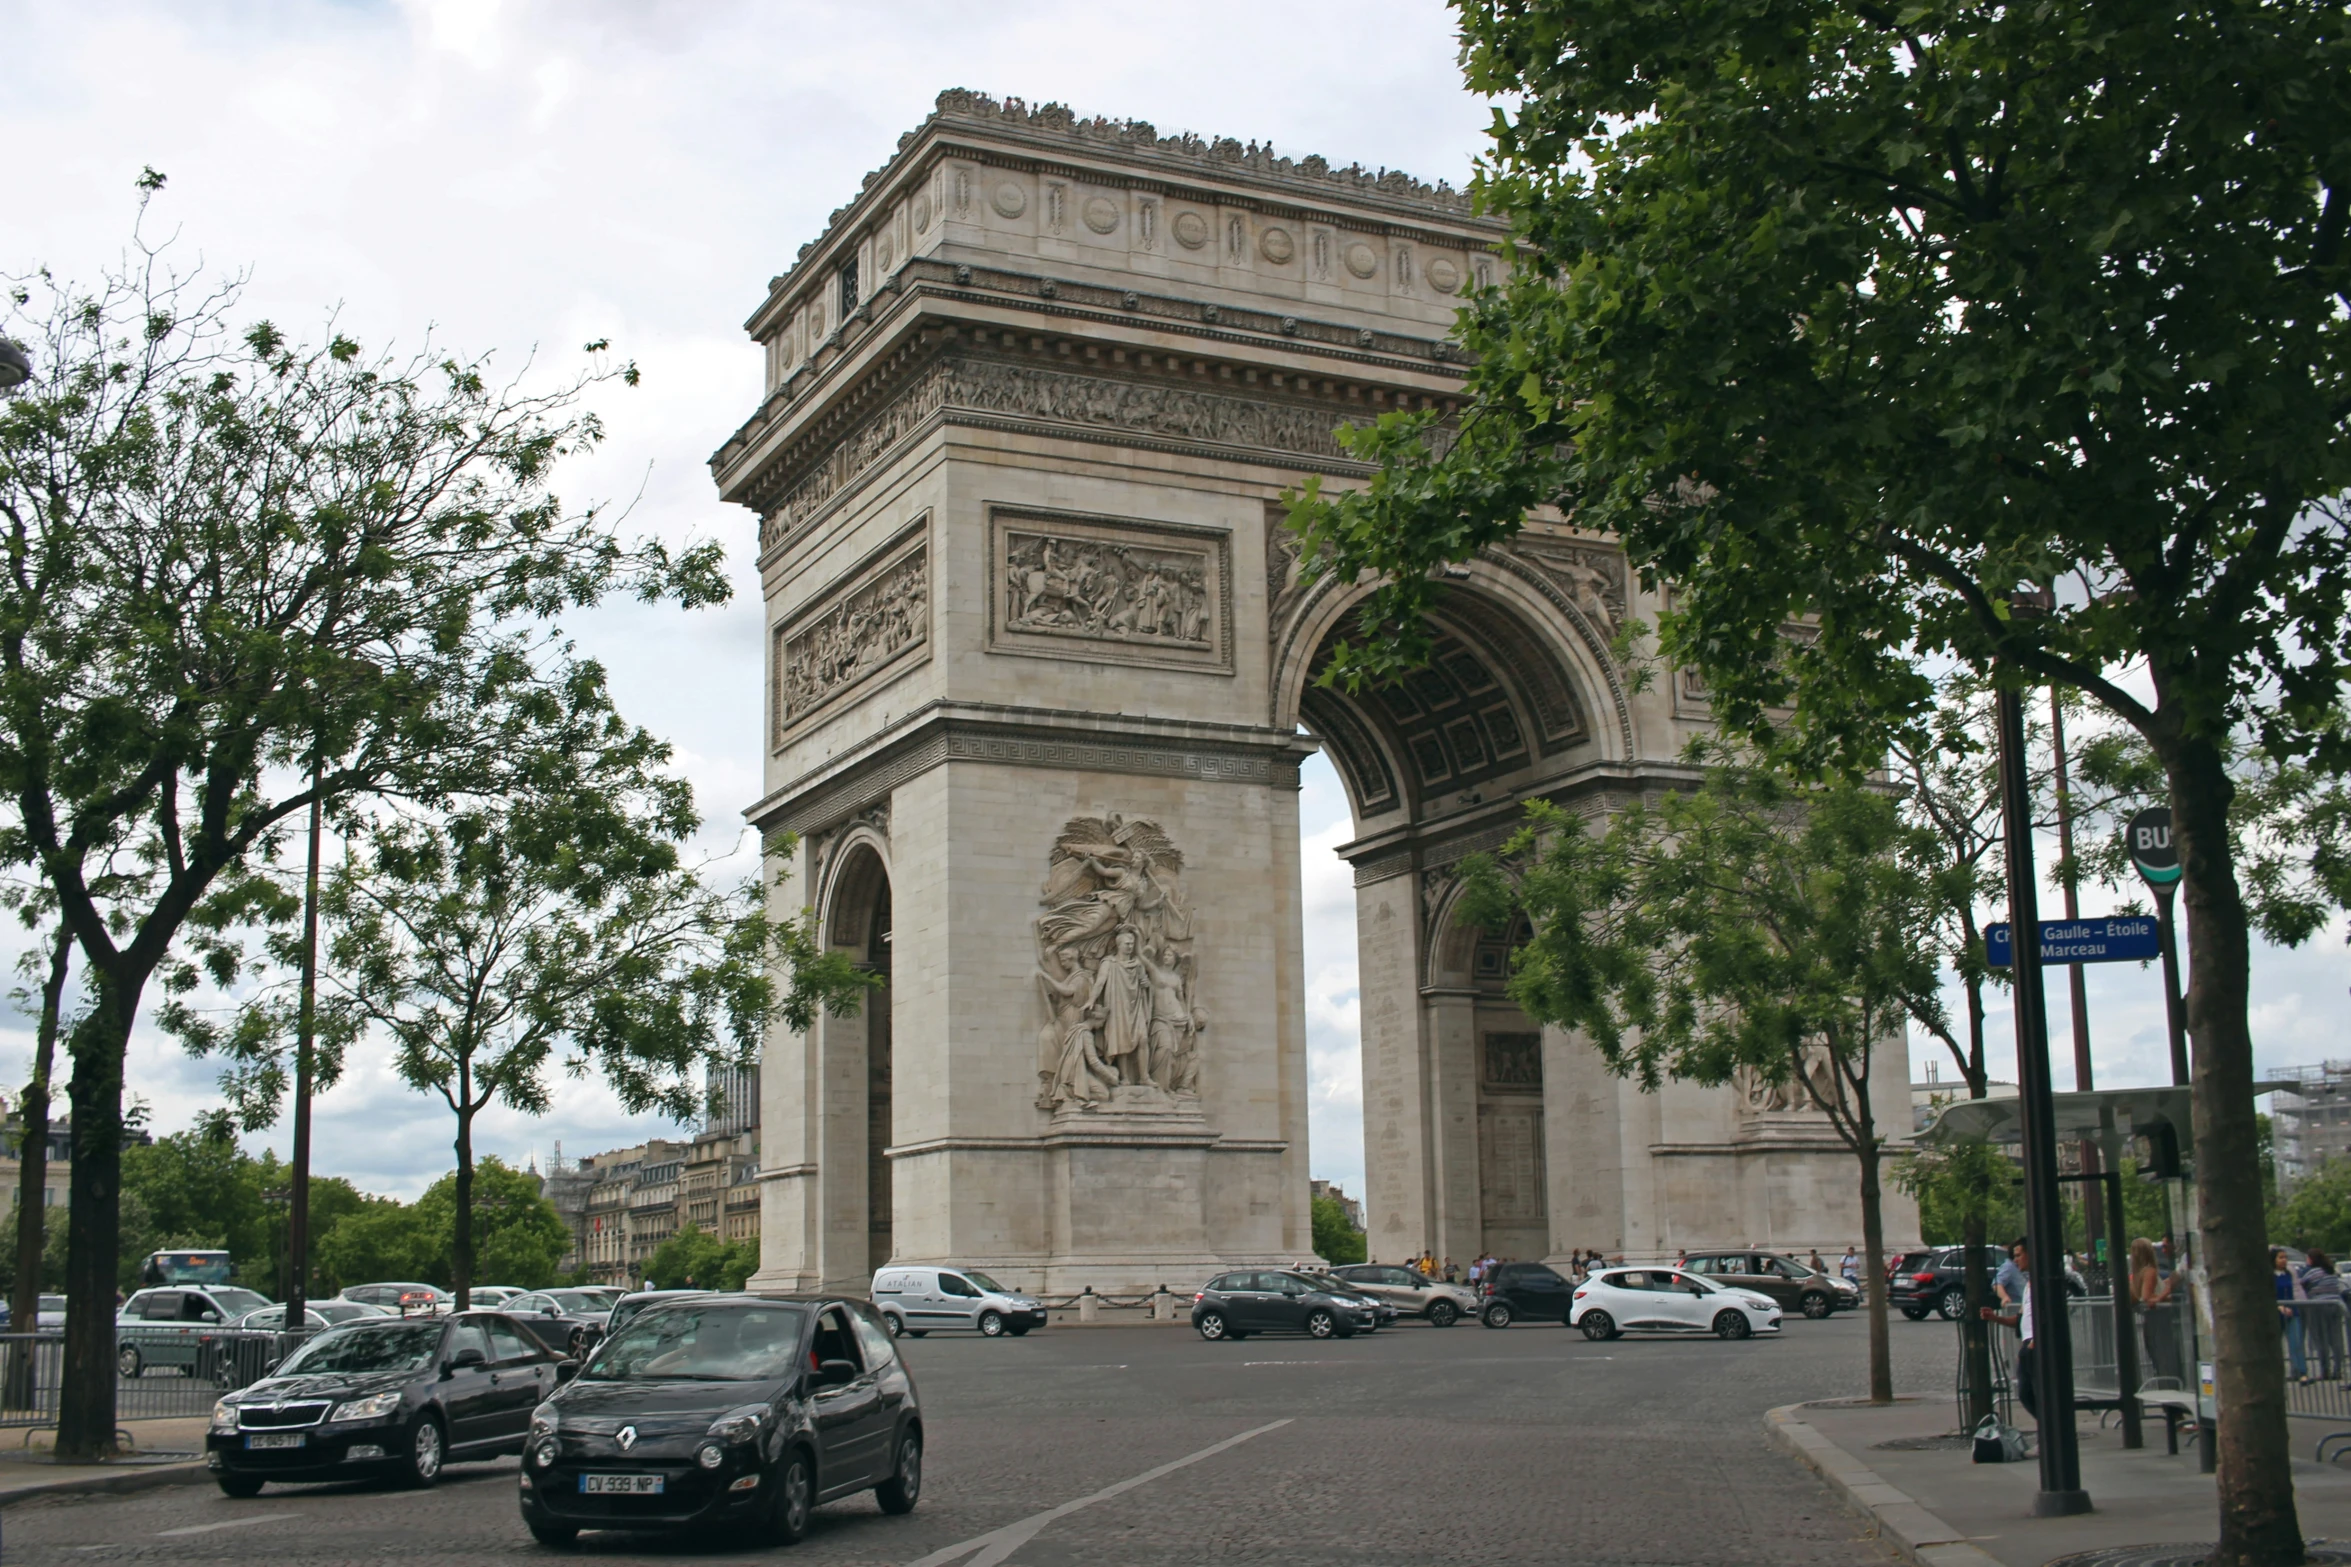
914	1300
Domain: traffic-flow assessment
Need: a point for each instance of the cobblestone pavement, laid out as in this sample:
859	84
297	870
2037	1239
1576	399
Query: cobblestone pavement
1414	1446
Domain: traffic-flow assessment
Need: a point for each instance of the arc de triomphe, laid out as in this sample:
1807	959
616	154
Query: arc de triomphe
1039	681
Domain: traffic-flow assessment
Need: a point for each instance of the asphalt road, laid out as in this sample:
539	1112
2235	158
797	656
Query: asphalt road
1414	1446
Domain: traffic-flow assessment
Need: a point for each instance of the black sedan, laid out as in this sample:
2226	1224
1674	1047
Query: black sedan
741	1412
567	1321
1235	1305
398	1398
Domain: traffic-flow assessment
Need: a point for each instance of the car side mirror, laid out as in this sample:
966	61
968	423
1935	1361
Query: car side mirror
469	1356
208	1316
835	1373
565	1370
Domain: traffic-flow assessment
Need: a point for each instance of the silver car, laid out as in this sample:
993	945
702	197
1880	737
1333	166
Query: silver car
921	1299
1412	1294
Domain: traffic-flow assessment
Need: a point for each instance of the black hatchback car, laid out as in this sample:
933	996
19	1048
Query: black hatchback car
384	1397
1526	1289
1275	1300
736	1411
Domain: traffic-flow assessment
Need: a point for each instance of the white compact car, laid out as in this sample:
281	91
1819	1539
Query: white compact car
1668	1300
916	1300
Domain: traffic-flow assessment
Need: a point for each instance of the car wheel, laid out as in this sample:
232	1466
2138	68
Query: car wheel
896	1324
794	1499
242	1487
579	1342
1212	1326
1732	1324
1818	1306
1915	1313
1598	1326
1952	1303
1321	1324
558	1535
127	1362
1497	1315
1443	1314
991	1324
420	1465
903	1489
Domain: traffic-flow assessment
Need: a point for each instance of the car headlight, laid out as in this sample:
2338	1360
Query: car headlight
545	1419
711	1455
739	1425
224	1416
375	1408
1758	1303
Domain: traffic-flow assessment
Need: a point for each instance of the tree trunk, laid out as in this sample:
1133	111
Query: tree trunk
1873	1243
1975	1334
93	1224
1979	1076
32	1178
2258	1523
461	1244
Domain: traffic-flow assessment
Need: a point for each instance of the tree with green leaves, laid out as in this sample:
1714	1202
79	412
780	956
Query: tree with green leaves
560	927
1336	1239
512	1234
1862	317
1750	929
244	573
694	1258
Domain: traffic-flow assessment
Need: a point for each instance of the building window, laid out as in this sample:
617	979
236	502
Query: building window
848	287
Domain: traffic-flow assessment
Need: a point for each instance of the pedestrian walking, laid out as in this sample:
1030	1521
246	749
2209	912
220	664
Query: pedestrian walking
1851	1267
1814	1263
2021	1319
2009	1282
1452	1274
2291	1296
2322	1330
2151	1296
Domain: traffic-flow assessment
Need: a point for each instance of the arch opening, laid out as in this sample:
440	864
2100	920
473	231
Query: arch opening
858	1070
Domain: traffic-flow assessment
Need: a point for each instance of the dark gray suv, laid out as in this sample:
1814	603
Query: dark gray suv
1271	1300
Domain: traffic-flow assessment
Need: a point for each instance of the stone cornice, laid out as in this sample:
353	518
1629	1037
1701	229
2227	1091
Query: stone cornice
1410	364
944	732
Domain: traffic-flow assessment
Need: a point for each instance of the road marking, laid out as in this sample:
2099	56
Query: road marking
997	1544
226	1523
1297	1362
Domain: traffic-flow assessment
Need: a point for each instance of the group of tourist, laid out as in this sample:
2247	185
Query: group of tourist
2310	1303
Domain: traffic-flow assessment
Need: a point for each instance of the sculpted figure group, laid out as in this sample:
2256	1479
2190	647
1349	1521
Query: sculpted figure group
1114	968
1105	590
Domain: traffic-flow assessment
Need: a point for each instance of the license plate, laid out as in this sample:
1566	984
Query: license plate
276	1439
620	1485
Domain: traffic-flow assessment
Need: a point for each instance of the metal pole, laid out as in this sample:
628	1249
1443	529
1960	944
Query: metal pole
2175	1008
298	1209
2077	989
2126	1316
2061	1469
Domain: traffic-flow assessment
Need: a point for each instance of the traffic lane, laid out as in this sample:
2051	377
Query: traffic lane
1514	1441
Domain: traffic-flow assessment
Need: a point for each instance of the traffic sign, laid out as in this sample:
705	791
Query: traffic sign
2128	939
2148	838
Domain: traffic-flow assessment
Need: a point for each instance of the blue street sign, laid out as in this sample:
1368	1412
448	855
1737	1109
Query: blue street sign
2128	940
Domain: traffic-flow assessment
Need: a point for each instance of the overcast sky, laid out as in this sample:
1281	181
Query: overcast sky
523	177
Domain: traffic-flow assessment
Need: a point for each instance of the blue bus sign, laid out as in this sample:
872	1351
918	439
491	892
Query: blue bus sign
2128	939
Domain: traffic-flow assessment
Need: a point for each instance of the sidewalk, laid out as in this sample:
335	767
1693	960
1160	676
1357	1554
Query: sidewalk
163	1452
1940	1508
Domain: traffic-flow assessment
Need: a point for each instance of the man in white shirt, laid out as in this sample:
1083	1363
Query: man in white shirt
2021	1319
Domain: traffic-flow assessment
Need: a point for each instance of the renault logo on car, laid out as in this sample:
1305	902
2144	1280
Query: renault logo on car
627	1438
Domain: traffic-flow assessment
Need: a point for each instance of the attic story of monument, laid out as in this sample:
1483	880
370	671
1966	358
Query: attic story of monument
1041	666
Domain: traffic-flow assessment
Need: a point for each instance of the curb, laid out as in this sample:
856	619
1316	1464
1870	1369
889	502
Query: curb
1919	1535
116	1483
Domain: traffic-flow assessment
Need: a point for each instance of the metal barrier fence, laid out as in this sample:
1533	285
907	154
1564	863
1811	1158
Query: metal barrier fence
158	1374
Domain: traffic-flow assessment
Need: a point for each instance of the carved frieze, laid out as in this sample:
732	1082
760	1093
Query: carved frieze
988	387
875	621
1511	1063
1108	590
1595	578
1115	972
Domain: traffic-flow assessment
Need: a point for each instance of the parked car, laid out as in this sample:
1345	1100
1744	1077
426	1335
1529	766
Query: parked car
737	1410
243	1351
493	1297
398	1398
918	1300
1935	1280
1410	1292
1235	1305
1532	1290
407	1299
629	1306
167	1327
1795	1286
566	1321
1669	1300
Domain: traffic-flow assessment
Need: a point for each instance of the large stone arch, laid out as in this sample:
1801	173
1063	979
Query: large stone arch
855	1062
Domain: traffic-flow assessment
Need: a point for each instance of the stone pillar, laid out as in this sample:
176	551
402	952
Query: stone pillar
1457	1226
1398	1206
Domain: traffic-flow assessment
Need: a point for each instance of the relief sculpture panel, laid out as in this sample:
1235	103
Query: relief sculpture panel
1109	591
877	621
1115	972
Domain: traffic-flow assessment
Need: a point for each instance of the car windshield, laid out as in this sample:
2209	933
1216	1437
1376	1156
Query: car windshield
237	1302
578	1300
392	1346
984	1282
687	1343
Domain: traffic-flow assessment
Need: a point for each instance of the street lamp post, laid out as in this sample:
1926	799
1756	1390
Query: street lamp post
2061	1469
16	366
